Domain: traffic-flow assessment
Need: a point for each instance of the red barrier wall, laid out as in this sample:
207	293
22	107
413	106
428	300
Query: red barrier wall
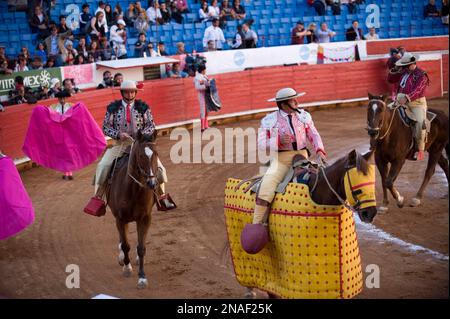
445	71
174	100
437	43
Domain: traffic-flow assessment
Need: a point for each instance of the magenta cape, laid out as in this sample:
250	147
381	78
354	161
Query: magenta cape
66	142
16	209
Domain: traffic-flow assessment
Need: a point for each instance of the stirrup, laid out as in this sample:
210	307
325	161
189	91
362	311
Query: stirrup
95	207
165	203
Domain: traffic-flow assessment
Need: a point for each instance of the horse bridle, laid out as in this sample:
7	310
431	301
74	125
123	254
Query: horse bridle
141	171
377	129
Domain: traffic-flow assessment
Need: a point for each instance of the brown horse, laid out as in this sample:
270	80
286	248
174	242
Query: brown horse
131	197
393	142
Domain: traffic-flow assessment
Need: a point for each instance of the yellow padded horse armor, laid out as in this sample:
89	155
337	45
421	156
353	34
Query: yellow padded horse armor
313	249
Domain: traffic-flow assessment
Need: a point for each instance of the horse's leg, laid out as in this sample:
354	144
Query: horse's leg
383	169
433	158
250	293
124	248
142	230
396	166
443	163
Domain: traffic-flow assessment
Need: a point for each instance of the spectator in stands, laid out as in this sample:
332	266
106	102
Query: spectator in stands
39	23
44	92
118	39
152	51
131	14
335	7
99	28
68	53
226	13
40	52
320	6
141	46
180	48
162	49
215	34
20	97
21	65
62	27
312	37
250	37
85	19
100	8
176	14
117	13
2	53
44	4
55	86
141	23
214	9
109	15
105	50
51	63
79	59
107	81
372	35
154	14
82	48
138	7
176	72
166	15
26	54
239	10
354	33
445	12
236	43
118	79
325	34
181	5
36	64
431	10
70	87
298	33
4	69
352	6
95	51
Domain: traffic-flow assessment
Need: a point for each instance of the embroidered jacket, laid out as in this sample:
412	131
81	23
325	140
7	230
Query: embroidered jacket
276	124
115	121
412	84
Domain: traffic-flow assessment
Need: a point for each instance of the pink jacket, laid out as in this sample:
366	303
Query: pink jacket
276	124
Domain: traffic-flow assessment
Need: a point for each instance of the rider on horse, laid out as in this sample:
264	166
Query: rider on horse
286	131
412	83
122	121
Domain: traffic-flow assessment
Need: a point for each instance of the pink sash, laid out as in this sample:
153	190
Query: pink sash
63	142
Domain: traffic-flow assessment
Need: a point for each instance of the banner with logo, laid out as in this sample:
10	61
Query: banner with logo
32	79
83	74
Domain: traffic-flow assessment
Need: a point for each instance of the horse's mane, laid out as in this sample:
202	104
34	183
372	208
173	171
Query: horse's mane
361	163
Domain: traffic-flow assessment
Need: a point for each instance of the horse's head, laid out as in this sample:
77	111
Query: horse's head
359	185
375	115
146	158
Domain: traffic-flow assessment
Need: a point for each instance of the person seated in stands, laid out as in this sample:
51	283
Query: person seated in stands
69	86
37	64
214	9
55	86
40	52
117	13
39	23
320	6
99	27
239	10
2	53
82	47
372	35
430	10
44	92
154	14
53	43
105	50
177	8
68	53
181	5
335	7
21	65
226	13
85	19
354	33
131	14
118	79
141	23
180	48
62	27
312	37
101	7
176	72
352	6
79	59
109	15
325	34
25	53
250	37
95	51
298	33
4	68
51	63
21	97
141	46
166	14
153	53
162	49
204	13
107	81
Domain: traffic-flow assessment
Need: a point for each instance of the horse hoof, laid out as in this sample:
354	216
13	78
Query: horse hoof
127	270
400	201
415	202
250	294
142	283
382	210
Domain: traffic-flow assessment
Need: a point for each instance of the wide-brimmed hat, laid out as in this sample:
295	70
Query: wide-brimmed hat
406	59
129	85
286	94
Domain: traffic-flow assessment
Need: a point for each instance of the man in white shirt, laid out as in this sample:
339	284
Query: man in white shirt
101	7
371	35
117	37
215	34
154	13
250	37
325	34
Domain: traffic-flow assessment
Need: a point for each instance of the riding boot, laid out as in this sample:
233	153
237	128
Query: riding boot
165	202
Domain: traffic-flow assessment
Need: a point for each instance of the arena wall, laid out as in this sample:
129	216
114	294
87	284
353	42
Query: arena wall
175	100
422	44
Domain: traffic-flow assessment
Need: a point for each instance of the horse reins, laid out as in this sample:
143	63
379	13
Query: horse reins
382	122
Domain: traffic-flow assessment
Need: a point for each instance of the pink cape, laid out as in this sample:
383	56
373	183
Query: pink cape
16	209
66	142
